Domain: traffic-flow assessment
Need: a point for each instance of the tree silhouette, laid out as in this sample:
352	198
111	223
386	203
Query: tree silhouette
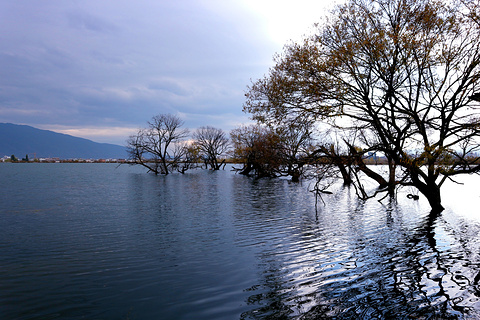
159	147
396	74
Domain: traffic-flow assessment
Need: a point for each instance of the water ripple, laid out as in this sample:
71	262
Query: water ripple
104	243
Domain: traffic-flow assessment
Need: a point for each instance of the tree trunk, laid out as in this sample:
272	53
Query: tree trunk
217	165
363	167
430	190
369	172
347	179
391	178
247	169
295	176
339	161
372	174
432	193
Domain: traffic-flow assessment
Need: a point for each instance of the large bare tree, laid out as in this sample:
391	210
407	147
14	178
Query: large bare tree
159	147
397	72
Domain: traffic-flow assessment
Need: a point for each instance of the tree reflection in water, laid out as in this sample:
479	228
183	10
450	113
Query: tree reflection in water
370	262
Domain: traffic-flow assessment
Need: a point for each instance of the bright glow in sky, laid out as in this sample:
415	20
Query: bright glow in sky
101	69
287	20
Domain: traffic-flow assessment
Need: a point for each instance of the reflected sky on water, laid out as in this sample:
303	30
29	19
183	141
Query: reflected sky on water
100	242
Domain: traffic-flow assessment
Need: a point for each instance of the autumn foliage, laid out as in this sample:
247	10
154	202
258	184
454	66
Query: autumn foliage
393	75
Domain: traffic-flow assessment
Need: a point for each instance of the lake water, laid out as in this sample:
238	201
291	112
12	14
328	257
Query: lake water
97	241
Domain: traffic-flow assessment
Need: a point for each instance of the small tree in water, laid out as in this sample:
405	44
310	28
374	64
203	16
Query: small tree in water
160	147
400	72
212	143
271	152
257	148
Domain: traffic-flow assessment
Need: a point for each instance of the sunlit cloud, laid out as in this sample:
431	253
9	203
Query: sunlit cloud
116	135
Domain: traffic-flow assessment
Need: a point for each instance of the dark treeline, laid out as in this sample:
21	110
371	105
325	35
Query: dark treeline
260	151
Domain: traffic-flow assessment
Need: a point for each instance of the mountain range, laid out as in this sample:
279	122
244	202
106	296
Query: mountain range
20	140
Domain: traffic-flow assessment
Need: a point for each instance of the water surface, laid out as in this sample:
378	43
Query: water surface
93	241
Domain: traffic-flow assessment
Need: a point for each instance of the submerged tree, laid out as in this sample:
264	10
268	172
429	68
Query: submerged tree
257	147
295	144
211	143
190	156
159	147
398	73
272	152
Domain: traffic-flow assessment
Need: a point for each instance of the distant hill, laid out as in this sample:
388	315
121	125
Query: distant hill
20	140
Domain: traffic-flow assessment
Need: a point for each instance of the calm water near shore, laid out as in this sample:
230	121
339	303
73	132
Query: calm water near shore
97	241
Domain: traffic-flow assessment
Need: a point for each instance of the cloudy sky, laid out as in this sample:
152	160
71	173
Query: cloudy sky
101	69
